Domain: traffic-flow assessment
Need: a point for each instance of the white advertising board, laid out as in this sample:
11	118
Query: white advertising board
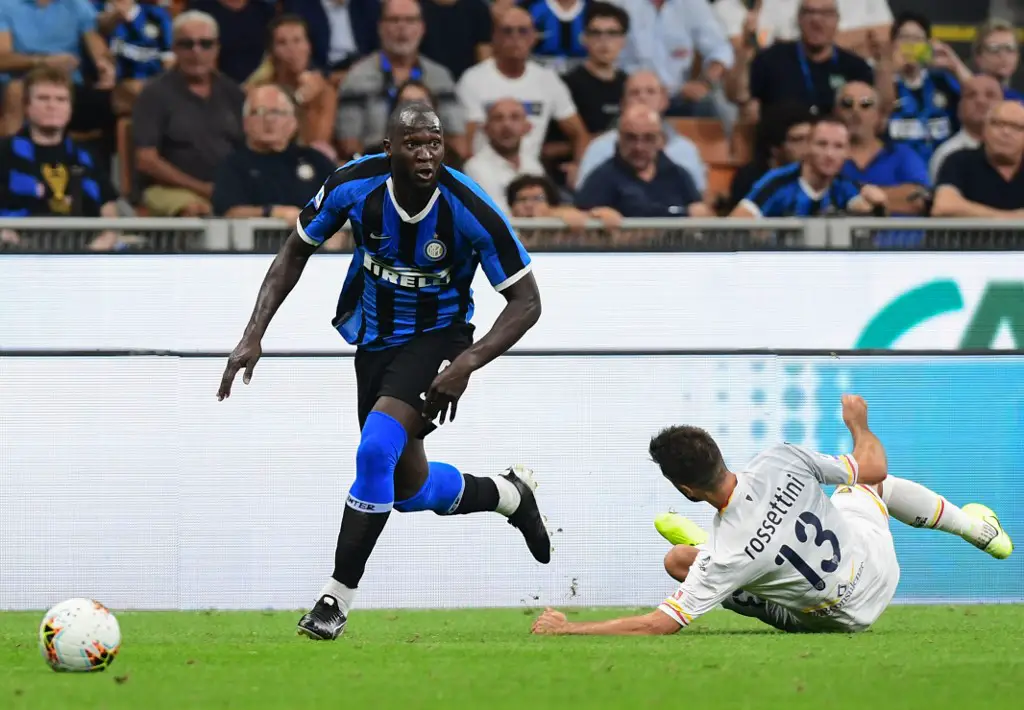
123	479
632	301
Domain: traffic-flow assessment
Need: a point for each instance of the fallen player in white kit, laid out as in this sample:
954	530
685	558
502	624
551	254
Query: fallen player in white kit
782	551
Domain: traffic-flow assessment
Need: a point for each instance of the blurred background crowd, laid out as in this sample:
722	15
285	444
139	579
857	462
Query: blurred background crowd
574	110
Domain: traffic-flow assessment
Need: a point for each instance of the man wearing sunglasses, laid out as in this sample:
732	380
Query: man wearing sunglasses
996	53
895	167
185	122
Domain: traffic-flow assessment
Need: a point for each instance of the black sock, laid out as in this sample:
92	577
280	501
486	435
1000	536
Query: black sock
479	495
356	540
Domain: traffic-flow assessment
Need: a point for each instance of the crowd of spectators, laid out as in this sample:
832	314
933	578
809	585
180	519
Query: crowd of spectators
569	109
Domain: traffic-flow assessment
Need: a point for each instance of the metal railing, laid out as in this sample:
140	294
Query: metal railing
146	235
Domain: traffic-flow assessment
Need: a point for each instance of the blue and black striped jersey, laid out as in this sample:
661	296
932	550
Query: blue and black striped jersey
925	116
44	180
783	193
410	273
139	44
559	31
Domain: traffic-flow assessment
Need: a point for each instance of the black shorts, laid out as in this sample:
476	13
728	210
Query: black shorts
406	371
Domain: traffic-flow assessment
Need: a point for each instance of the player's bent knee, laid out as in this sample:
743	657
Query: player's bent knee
679	560
380	447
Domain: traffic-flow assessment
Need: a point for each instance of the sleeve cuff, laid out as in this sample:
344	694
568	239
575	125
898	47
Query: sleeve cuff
751	207
303	236
852	470
511	279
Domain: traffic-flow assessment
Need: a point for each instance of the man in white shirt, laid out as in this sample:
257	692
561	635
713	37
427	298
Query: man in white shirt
781	550
664	36
776	21
501	160
510	73
979	95
643	87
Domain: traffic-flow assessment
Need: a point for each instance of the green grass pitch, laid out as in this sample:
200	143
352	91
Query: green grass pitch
916	657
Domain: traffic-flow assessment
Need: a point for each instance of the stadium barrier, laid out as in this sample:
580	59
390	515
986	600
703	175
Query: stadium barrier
124	478
817	300
63	235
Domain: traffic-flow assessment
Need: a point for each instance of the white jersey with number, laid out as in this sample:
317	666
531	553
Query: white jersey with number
782	539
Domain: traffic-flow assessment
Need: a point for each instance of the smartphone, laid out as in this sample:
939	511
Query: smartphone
920	52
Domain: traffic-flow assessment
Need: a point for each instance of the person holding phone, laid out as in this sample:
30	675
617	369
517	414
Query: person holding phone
928	79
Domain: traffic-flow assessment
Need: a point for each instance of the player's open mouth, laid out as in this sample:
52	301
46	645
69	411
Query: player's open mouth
424	173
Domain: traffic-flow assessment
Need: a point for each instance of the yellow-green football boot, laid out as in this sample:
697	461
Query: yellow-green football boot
998	545
679	530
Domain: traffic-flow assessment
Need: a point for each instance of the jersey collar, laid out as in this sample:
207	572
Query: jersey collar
418	217
810	192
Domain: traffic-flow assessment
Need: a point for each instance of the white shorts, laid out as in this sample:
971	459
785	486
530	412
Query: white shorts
868	520
874	585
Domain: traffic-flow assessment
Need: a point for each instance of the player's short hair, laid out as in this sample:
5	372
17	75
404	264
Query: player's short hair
408	111
905	18
688	456
51	76
598	9
524	181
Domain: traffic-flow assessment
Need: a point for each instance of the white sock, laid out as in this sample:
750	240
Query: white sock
508	496
339	591
919	507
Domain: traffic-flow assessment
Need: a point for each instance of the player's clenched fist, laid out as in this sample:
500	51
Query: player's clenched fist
855	411
550	622
446	389
245	355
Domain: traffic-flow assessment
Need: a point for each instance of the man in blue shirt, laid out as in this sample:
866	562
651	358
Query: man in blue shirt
640	181
895	167
420	230
560	25
813	187
140	39
927	87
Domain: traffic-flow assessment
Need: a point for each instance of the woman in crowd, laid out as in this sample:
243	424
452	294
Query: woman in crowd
288	63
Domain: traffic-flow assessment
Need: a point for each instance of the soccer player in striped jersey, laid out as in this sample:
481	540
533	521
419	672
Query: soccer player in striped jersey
420	230
781	551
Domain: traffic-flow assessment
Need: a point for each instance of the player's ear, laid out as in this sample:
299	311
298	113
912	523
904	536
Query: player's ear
387	147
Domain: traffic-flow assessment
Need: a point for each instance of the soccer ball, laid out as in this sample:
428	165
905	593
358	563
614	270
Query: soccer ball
79	635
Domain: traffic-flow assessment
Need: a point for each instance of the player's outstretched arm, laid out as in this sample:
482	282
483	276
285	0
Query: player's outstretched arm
281	278
521	312
554	623
868	451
